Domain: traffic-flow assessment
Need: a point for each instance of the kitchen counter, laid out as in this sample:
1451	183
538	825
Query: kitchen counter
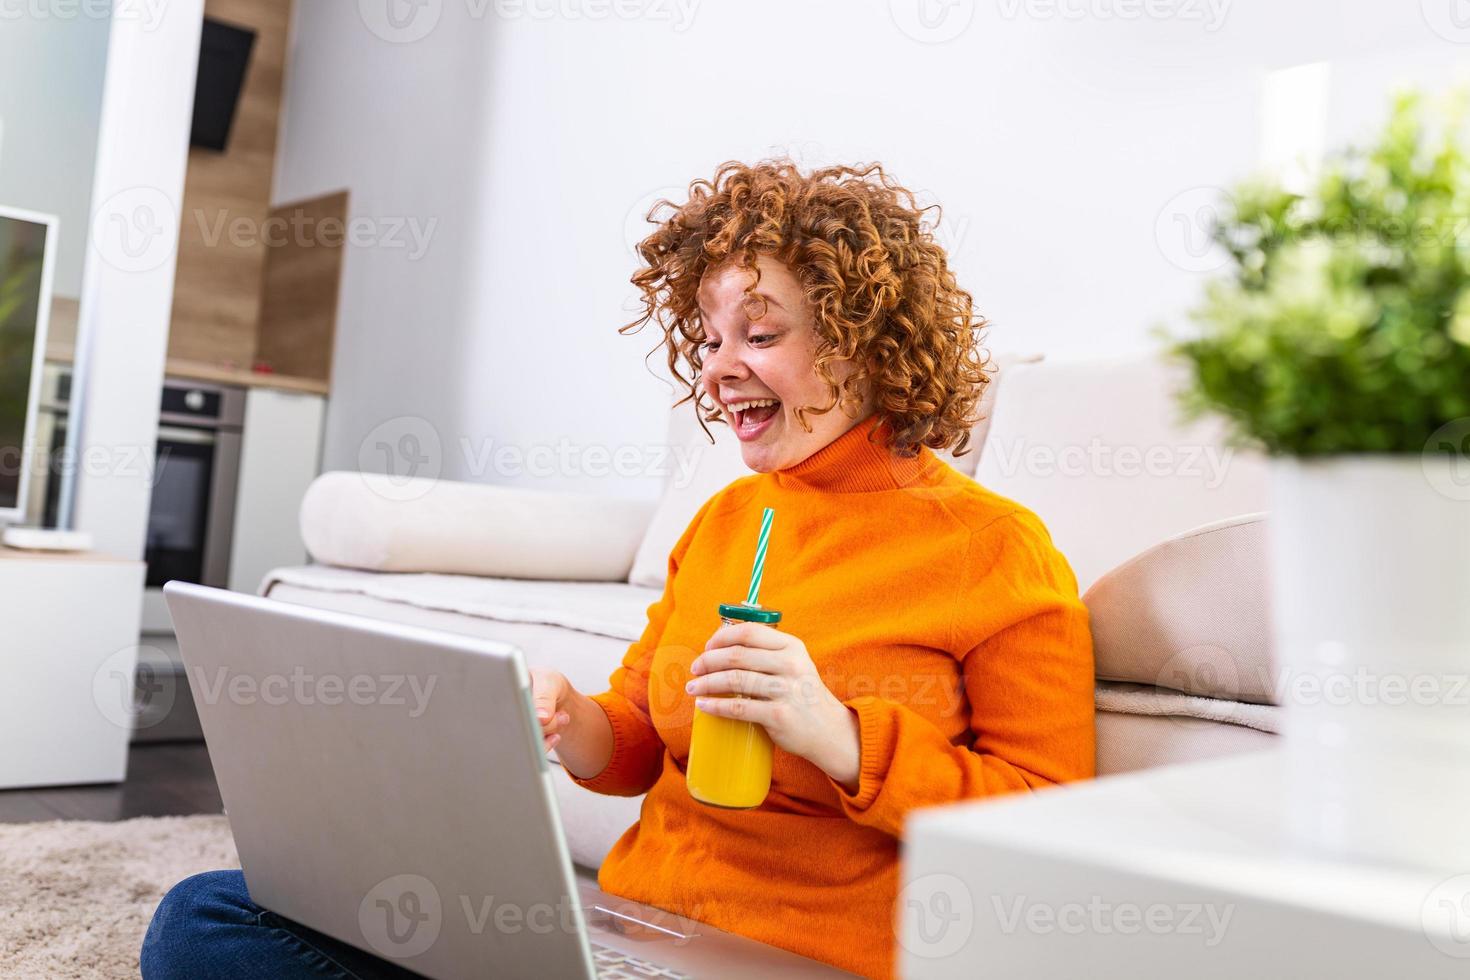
177	367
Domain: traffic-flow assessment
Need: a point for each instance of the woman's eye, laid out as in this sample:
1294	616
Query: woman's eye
762	336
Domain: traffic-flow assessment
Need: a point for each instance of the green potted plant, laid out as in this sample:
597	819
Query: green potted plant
1338	342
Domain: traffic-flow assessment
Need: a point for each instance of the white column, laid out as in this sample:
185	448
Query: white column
127	285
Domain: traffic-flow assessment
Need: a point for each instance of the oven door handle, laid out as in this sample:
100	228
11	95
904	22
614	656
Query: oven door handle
199	437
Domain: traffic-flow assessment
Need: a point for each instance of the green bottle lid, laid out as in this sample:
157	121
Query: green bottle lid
749	614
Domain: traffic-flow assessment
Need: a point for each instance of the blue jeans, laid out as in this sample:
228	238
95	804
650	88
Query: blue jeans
207	928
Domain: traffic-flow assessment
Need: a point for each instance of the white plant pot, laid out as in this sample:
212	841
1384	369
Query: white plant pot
1370	571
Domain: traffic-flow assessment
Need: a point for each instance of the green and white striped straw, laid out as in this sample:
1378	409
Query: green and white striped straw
760	556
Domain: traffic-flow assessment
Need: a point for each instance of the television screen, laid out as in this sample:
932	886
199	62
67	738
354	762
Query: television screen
24	302
224	54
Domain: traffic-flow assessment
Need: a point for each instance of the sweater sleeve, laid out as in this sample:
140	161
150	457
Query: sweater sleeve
638	749
1022	635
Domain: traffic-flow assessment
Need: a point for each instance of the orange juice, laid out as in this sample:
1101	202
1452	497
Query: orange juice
729	760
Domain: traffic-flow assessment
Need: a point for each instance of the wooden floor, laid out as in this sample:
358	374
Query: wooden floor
164	779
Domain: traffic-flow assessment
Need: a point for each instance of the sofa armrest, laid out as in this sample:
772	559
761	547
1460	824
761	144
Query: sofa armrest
395	524
1190	614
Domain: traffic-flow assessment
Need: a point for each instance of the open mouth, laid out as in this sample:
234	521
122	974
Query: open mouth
752	419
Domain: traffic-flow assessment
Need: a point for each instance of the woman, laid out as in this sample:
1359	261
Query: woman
932	646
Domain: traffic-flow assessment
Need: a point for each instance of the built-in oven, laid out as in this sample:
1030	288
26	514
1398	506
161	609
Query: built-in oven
191	512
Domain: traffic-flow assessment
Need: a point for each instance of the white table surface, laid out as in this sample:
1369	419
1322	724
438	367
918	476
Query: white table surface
1060	882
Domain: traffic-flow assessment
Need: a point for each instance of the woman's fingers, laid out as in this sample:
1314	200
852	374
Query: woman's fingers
747	682
545	706
742	709
756	635
739	658
548	688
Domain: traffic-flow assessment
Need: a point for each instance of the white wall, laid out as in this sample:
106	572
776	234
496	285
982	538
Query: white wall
51	70
401	127
532	132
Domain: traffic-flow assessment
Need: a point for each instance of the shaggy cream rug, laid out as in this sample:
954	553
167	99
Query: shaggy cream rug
76	896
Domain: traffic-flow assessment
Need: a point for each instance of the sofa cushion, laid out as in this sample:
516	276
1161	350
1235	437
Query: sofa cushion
612	609
1097	449
717	466
1190	614
1130	742
393	524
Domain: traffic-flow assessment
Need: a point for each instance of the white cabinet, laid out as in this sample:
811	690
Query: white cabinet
70	628
280	454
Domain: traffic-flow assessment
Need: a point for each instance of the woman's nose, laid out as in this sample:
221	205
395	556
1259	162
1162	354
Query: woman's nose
721	365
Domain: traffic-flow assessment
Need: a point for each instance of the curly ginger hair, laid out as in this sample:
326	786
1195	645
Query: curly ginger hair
879	285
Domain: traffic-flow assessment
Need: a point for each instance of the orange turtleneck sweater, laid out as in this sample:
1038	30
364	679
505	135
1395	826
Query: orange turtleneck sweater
937	610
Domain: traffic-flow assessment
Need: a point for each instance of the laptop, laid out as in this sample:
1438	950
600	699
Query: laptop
386	785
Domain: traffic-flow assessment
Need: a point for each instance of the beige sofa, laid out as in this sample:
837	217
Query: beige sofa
1161	525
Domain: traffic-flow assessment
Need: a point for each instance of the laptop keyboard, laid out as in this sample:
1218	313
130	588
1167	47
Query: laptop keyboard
614	965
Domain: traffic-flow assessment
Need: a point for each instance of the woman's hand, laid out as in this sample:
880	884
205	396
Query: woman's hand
550	691
572	723
782	692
